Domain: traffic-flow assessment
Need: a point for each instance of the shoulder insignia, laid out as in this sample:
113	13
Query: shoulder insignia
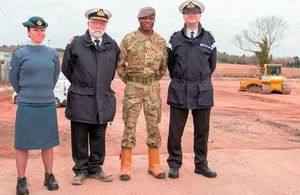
72	39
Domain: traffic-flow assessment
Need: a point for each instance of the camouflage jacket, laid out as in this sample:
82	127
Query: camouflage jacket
142	55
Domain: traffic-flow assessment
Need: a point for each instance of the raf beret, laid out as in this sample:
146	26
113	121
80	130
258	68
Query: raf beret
146	11
192	5
98	14
36	22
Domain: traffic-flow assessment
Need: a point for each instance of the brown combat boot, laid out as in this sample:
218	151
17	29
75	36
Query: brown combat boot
154	168
125	164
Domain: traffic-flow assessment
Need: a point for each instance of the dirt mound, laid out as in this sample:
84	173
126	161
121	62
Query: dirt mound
242	71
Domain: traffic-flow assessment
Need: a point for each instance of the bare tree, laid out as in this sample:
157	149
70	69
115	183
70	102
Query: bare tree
263	35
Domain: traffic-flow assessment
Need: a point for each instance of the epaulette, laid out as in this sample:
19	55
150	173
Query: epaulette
174	33
72	39
18	47
130	35
210	33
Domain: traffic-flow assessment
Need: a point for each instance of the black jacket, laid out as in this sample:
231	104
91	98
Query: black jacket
191	64
90	71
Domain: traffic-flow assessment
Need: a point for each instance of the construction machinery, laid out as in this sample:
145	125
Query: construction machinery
270	81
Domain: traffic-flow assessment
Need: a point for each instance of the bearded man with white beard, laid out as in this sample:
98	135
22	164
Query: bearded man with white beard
89	63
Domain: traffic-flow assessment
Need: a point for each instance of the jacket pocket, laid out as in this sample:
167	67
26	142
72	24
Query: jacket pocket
205	94
81	107
176	93
68	112
109	106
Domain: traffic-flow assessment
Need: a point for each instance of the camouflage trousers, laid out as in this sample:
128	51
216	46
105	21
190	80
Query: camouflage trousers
137	95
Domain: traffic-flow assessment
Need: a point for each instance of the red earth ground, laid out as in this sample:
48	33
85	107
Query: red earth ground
254	146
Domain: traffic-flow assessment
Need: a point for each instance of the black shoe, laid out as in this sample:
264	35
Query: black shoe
22	186
206	172
50	181
124	177
161	175
173	172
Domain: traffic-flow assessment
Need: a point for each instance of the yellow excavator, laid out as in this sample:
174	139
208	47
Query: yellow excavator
271	81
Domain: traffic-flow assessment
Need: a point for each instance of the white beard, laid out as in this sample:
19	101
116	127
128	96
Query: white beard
97	33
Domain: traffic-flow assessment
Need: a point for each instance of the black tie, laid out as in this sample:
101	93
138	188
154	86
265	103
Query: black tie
97	44
192	35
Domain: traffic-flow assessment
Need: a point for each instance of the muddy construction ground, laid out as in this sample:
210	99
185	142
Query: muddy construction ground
254	146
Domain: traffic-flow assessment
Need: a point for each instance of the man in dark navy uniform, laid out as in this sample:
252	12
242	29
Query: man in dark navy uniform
191	62
89	64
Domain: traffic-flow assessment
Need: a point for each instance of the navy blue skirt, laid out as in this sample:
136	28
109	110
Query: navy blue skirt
36	126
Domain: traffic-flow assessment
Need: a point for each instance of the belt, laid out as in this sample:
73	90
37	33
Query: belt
191	78
142	80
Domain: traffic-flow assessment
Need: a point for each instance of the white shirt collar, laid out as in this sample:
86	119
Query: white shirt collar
93	39
188	32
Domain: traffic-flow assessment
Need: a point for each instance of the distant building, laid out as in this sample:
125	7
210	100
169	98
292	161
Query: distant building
5	55
4	66
8	49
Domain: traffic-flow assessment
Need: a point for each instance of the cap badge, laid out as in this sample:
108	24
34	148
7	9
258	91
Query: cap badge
39	23
101	13
190	5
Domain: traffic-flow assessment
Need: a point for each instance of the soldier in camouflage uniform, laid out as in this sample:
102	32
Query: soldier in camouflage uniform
142	63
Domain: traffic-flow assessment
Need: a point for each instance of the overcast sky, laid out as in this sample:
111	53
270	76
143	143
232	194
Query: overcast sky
223	18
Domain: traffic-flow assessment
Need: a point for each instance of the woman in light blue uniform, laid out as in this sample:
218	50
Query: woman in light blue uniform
33	75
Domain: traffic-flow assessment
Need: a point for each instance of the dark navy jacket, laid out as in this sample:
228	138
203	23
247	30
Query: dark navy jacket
90	71
191	64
